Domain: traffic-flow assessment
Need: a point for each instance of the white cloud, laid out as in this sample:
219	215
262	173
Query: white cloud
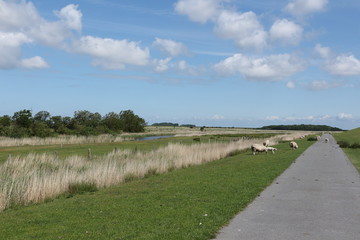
16	15
34	62
274	67
170	47
290	84
161	65
217	117
198	10
10	49
71	16
272	118
110	53
304	7
244	28
286	32
344	65
323	52
322	85
344	116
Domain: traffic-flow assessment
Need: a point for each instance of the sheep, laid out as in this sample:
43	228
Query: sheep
302	137
266	143
272	149
293	145
326	140
318	138
258	148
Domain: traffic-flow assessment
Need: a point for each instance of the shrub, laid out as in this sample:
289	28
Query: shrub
343	144
79	188
312	139
355	145
197	139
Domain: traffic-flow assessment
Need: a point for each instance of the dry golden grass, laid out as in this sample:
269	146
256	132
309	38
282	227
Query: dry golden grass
38	177
64	139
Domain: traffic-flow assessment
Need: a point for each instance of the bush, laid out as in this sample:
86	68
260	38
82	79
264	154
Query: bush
197	139
355	145
312	139
343	144
79	188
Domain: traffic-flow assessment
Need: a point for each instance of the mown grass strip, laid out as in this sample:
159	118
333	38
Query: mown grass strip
191	203
351	137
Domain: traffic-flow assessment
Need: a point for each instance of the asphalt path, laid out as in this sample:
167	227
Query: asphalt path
317	198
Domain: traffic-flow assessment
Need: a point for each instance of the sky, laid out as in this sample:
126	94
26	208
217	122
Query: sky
228	63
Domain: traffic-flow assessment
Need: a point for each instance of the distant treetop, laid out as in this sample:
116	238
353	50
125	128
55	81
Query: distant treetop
302	127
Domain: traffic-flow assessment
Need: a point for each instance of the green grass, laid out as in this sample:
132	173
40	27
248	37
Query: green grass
351	137
191	203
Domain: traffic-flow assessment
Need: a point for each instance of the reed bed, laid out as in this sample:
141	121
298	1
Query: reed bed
38	177
63	139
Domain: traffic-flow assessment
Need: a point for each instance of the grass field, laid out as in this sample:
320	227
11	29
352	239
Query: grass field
352	136
188	203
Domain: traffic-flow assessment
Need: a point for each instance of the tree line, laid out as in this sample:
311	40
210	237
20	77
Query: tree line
24	124
302	127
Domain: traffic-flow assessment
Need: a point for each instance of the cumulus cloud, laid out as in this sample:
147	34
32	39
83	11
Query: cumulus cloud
290	84
323	52
304	7
344	116
170	47
34	62
161	65
273	68
322	85
198	10
21	24
110	53
272	118
344	65
218	117
286	32
71	16
244	28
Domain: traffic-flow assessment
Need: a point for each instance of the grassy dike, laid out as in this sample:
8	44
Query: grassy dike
190	203
351	137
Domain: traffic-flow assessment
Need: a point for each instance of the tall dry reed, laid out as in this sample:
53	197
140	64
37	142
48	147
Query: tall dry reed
63	139
38	177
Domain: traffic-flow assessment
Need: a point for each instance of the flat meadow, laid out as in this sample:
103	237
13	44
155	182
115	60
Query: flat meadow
183	187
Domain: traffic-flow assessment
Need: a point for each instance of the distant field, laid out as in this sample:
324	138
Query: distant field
189	203
351	137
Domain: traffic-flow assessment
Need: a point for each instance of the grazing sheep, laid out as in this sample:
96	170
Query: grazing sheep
272	149
258	148
326	140
318	138
302	137
293	145
266	143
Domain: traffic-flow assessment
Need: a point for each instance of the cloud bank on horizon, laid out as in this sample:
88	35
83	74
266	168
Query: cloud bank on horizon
267	47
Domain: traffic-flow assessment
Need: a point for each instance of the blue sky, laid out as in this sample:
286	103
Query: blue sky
238	63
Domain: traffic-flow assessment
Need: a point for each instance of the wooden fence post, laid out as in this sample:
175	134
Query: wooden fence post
89	153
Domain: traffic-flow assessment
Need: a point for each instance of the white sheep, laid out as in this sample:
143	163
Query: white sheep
293	145
266	143
326	140
272	149
318	138
258	148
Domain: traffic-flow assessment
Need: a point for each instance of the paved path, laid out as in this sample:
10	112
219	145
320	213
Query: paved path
317	198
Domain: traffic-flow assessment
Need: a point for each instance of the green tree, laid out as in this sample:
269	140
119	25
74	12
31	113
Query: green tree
112	122
23	118
132	122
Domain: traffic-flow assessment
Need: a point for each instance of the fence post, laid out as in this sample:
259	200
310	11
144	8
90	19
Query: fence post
89	153
9	157
56	155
